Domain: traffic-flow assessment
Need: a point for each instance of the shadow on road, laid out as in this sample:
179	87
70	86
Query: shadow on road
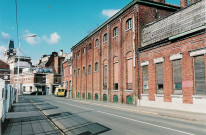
76	125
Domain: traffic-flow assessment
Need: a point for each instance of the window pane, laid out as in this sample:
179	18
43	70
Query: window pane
199	72
159	77
145	79
177	75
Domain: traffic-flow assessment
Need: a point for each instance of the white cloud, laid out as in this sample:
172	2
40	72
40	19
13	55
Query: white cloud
4	37
109	12
2	49
53	39
31	40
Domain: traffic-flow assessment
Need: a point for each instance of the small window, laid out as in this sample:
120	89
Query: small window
75	56
159	78
84	70
89	69
79	53
116	32
90	46
79	71
96	66
129	24
105	38
97	42
74	72
84	50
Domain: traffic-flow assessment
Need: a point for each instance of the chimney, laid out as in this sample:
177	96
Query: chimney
192	1
183	3
61	52
161	1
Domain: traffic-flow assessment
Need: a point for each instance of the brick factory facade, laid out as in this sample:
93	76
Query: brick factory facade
145	54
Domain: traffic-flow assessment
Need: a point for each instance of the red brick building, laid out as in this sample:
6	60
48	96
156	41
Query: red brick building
4	71
173	62
105	61
150	53
67	74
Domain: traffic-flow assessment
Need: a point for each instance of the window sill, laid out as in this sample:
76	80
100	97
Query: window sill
128	29
177	96
114	37
145	95
128	90
159	95
105	90
199	96
115	90
95	71
105	42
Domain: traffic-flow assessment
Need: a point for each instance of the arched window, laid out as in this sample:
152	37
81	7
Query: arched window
115	31
129	100
89	69
96	66
83	71
96	96
89	95
115	99
129	24
105	38
84	50
79	53
78	95
97	42
83	95
105	97
79	71
90	46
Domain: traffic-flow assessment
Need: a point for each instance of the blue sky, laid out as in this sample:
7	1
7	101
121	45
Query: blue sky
59	24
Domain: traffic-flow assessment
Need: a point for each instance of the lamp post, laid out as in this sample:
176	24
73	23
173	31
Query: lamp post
18	89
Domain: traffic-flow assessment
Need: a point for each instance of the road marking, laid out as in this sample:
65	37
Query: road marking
147	123
76	105
111	106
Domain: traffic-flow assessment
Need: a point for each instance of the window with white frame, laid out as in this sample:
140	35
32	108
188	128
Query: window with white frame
79	53
90	46
84	70
97	42
129	24
96	66
89	69
145	79
115	31
199	73
159	78
105	38
177	76
84	49
79	71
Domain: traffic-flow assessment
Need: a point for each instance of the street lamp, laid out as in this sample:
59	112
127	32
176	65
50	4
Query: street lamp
19	38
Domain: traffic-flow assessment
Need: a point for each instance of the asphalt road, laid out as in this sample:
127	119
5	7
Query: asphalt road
84	118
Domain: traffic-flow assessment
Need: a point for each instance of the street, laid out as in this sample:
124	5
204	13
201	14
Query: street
83	117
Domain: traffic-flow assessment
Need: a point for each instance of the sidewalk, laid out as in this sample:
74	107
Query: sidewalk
26	119
149	110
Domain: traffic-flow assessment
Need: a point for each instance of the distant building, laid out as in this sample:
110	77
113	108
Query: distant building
4	71
67	74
